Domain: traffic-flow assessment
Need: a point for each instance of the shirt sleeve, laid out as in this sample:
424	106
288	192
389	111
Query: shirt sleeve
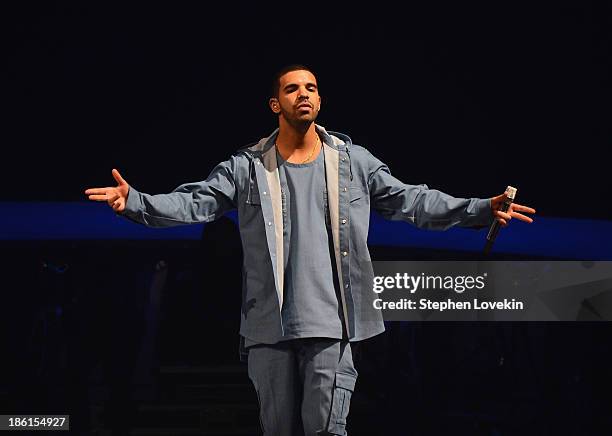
425	208
189	203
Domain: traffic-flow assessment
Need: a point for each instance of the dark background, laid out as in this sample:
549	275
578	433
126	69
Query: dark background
467	98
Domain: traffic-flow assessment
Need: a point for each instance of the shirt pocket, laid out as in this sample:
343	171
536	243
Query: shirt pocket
359	211
356	193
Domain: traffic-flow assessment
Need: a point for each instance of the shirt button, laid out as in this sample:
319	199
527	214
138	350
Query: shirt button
346	286
264	192
269	223
343	221
345	253
345	189
343	159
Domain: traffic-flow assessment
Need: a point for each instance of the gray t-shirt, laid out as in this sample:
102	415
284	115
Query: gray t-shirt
311	301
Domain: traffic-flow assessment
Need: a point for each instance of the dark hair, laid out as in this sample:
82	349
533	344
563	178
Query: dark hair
280	73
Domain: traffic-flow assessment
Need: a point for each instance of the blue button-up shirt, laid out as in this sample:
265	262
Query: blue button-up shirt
356	183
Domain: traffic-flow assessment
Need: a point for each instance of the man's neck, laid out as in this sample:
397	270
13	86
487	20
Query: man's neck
296	144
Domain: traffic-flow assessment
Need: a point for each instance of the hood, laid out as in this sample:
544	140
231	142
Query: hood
333	139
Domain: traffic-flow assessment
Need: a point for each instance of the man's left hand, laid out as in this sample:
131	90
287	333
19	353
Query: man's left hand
513	211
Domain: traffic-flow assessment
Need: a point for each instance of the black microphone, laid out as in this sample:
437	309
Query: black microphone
494	229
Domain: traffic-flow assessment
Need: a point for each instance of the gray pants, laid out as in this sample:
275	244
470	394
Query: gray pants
304	386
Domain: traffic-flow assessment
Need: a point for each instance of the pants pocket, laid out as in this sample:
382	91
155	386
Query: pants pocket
344	386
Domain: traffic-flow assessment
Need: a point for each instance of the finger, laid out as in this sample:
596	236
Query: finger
98	191
98	197
118	177
504	215
502	221
119	205
521	217
111	198
522	208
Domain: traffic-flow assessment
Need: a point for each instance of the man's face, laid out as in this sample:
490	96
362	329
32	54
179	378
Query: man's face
298	97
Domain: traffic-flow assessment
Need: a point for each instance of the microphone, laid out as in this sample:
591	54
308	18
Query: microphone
494	229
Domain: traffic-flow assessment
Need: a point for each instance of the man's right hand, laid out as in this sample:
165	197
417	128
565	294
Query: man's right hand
115	197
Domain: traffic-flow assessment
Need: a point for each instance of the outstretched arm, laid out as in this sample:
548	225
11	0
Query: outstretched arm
189	203
432	209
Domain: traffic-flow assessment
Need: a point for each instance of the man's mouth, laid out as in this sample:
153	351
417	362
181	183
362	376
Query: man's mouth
302	105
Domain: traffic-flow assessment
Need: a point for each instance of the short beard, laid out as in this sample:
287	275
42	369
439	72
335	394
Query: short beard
301	126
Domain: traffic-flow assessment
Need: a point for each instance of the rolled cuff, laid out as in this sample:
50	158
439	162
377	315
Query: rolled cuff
479	213
133	205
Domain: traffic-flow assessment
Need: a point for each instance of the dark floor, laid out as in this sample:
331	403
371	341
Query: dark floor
126	339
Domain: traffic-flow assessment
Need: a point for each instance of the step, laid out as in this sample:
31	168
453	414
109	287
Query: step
194	431
210	415
234	393
183	375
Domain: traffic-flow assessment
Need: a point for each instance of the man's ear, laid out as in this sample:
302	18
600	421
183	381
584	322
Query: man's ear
274	105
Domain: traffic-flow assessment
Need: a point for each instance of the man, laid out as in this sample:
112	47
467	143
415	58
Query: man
303	196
